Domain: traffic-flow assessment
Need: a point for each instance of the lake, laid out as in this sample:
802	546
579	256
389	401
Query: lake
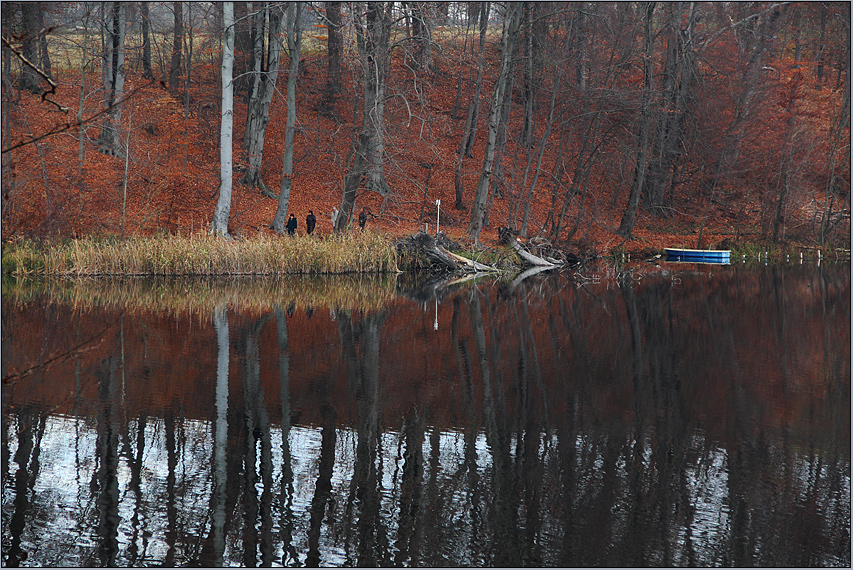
630	415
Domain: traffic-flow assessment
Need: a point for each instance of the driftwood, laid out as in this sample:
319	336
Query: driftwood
547	255
425	244
529	257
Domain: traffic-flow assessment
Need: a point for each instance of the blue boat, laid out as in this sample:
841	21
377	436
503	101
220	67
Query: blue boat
698	255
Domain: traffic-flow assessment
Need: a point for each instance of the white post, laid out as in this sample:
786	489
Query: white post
437	214
435	324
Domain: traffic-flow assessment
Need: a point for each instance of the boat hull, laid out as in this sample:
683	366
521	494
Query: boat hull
698	255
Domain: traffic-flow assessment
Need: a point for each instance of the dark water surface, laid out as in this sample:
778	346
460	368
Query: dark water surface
681	415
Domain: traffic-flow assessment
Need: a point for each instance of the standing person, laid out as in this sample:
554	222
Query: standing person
310	222
362	218
291	225
334	218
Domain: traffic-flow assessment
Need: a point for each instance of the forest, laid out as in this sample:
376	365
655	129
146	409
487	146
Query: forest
592	125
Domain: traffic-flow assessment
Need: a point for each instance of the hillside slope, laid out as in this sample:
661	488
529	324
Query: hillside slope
173	168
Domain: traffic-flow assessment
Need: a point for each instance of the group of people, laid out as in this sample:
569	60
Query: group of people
311	221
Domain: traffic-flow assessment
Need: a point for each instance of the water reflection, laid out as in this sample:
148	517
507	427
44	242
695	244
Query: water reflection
640	417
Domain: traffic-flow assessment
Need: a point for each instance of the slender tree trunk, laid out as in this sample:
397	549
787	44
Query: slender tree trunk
44	55
146	41
498	181
261	99
422	31
750	86
785	175
81	140
109	141
542	144
837	142
629	217
294	46
352	182
219	224
29	79
528	91
678	82
373	29
821	45
474	103
470	131
177	47
335	47
510	33
375	53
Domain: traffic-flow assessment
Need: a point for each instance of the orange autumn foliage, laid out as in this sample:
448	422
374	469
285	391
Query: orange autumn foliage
173	170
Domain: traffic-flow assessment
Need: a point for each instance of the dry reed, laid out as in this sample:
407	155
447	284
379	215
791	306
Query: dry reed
359	252
199	295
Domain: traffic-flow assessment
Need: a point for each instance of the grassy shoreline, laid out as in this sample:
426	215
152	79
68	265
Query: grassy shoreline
366	253
362	252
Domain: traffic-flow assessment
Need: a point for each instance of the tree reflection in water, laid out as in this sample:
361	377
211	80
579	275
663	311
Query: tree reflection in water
695	421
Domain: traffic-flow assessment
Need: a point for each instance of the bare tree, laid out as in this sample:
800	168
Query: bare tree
113	77
629	216
510	33
294	47
470	130
265	72
373	32
146	41
28	80
177	47
219	224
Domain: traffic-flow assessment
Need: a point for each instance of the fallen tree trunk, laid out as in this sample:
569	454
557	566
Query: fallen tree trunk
423	251
529	257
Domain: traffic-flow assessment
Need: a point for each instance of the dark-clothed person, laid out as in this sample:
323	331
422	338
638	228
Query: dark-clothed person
310	222
362	218
291	225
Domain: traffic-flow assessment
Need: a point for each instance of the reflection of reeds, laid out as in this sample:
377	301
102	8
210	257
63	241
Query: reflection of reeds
359	252
198	295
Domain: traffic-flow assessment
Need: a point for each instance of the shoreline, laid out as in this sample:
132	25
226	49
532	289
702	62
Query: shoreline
365	252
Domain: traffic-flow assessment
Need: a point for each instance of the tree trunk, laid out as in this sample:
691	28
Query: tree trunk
528	91
108	140
294	46
6	157
335	47
474	102
542	144
81	140
44	55
422	34
821	45
750	83
146	41
837	145
177	47
470	131
498	181
352	182
375	52
678	82
629	217
373	31
29	79
258	114
219	224
510	33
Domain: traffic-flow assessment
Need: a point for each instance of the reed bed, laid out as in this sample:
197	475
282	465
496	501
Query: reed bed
199	295
358	252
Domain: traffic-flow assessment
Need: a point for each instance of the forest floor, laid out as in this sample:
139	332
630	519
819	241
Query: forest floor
173	175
